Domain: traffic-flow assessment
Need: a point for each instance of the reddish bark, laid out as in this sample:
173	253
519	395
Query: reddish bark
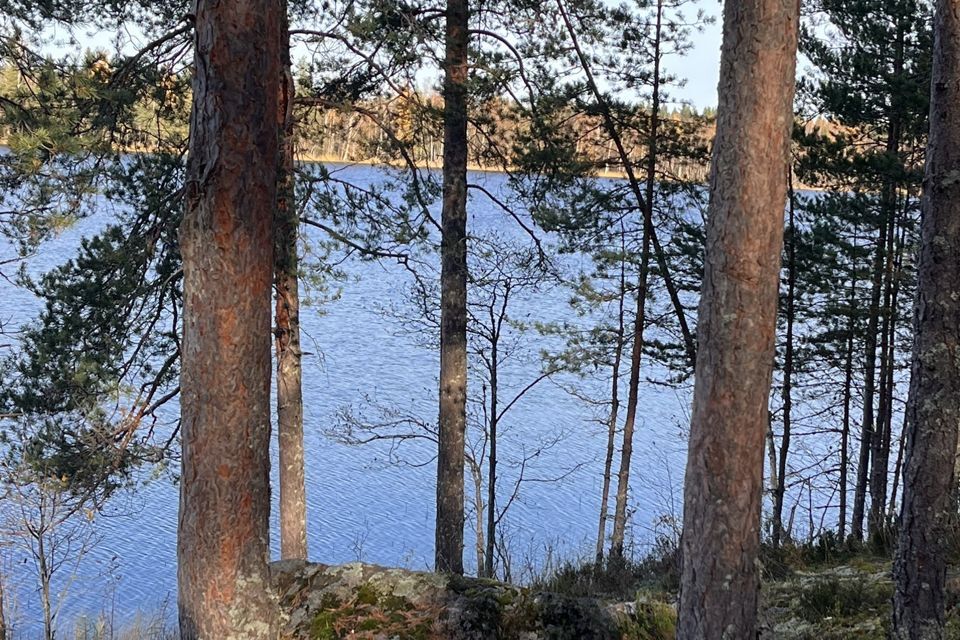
227	247
721	533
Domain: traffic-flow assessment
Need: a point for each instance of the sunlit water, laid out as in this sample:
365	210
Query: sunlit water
360	506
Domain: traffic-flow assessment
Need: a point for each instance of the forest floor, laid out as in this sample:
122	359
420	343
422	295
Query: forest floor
851	600
848	598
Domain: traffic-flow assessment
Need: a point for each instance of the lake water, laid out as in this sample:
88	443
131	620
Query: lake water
360	506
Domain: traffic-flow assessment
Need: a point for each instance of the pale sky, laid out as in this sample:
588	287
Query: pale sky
701	67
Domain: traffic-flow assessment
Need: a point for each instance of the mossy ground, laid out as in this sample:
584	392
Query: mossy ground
371	614
845	598
373	603
826	603
848	600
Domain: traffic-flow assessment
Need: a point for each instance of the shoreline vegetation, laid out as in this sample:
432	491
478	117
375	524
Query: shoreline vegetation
815	476
813	590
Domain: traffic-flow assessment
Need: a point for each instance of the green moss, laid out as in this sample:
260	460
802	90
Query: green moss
390	602
869	564
324	626
368	613
841	603
520	616
507	597
459	584
481	615
563	618
952	628
422	631
369	624
395	617
367	594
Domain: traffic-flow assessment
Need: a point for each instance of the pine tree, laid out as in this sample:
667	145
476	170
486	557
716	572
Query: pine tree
293	498
618	223
227	249
111	323
874	96
737	321
933	412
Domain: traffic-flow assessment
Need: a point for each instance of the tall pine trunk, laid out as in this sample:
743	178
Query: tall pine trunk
633	393
227	246
897	475
878	453
293	493
883	436
880	450
737	329
479	510
616	141
453	295
933	407
45	597
898	465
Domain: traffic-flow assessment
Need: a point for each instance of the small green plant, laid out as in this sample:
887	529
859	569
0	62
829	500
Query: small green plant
324	626
651	621
842	598
826	550
618	579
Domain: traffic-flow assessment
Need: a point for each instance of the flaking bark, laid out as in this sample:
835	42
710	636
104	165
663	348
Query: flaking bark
227	246
724	478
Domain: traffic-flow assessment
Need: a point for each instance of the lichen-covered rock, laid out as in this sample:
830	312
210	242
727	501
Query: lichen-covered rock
850	603
365	601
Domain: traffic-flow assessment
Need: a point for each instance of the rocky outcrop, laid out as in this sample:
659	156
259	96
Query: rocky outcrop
367	602
359	601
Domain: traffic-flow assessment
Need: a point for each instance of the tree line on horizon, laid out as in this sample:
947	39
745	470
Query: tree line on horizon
794	331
